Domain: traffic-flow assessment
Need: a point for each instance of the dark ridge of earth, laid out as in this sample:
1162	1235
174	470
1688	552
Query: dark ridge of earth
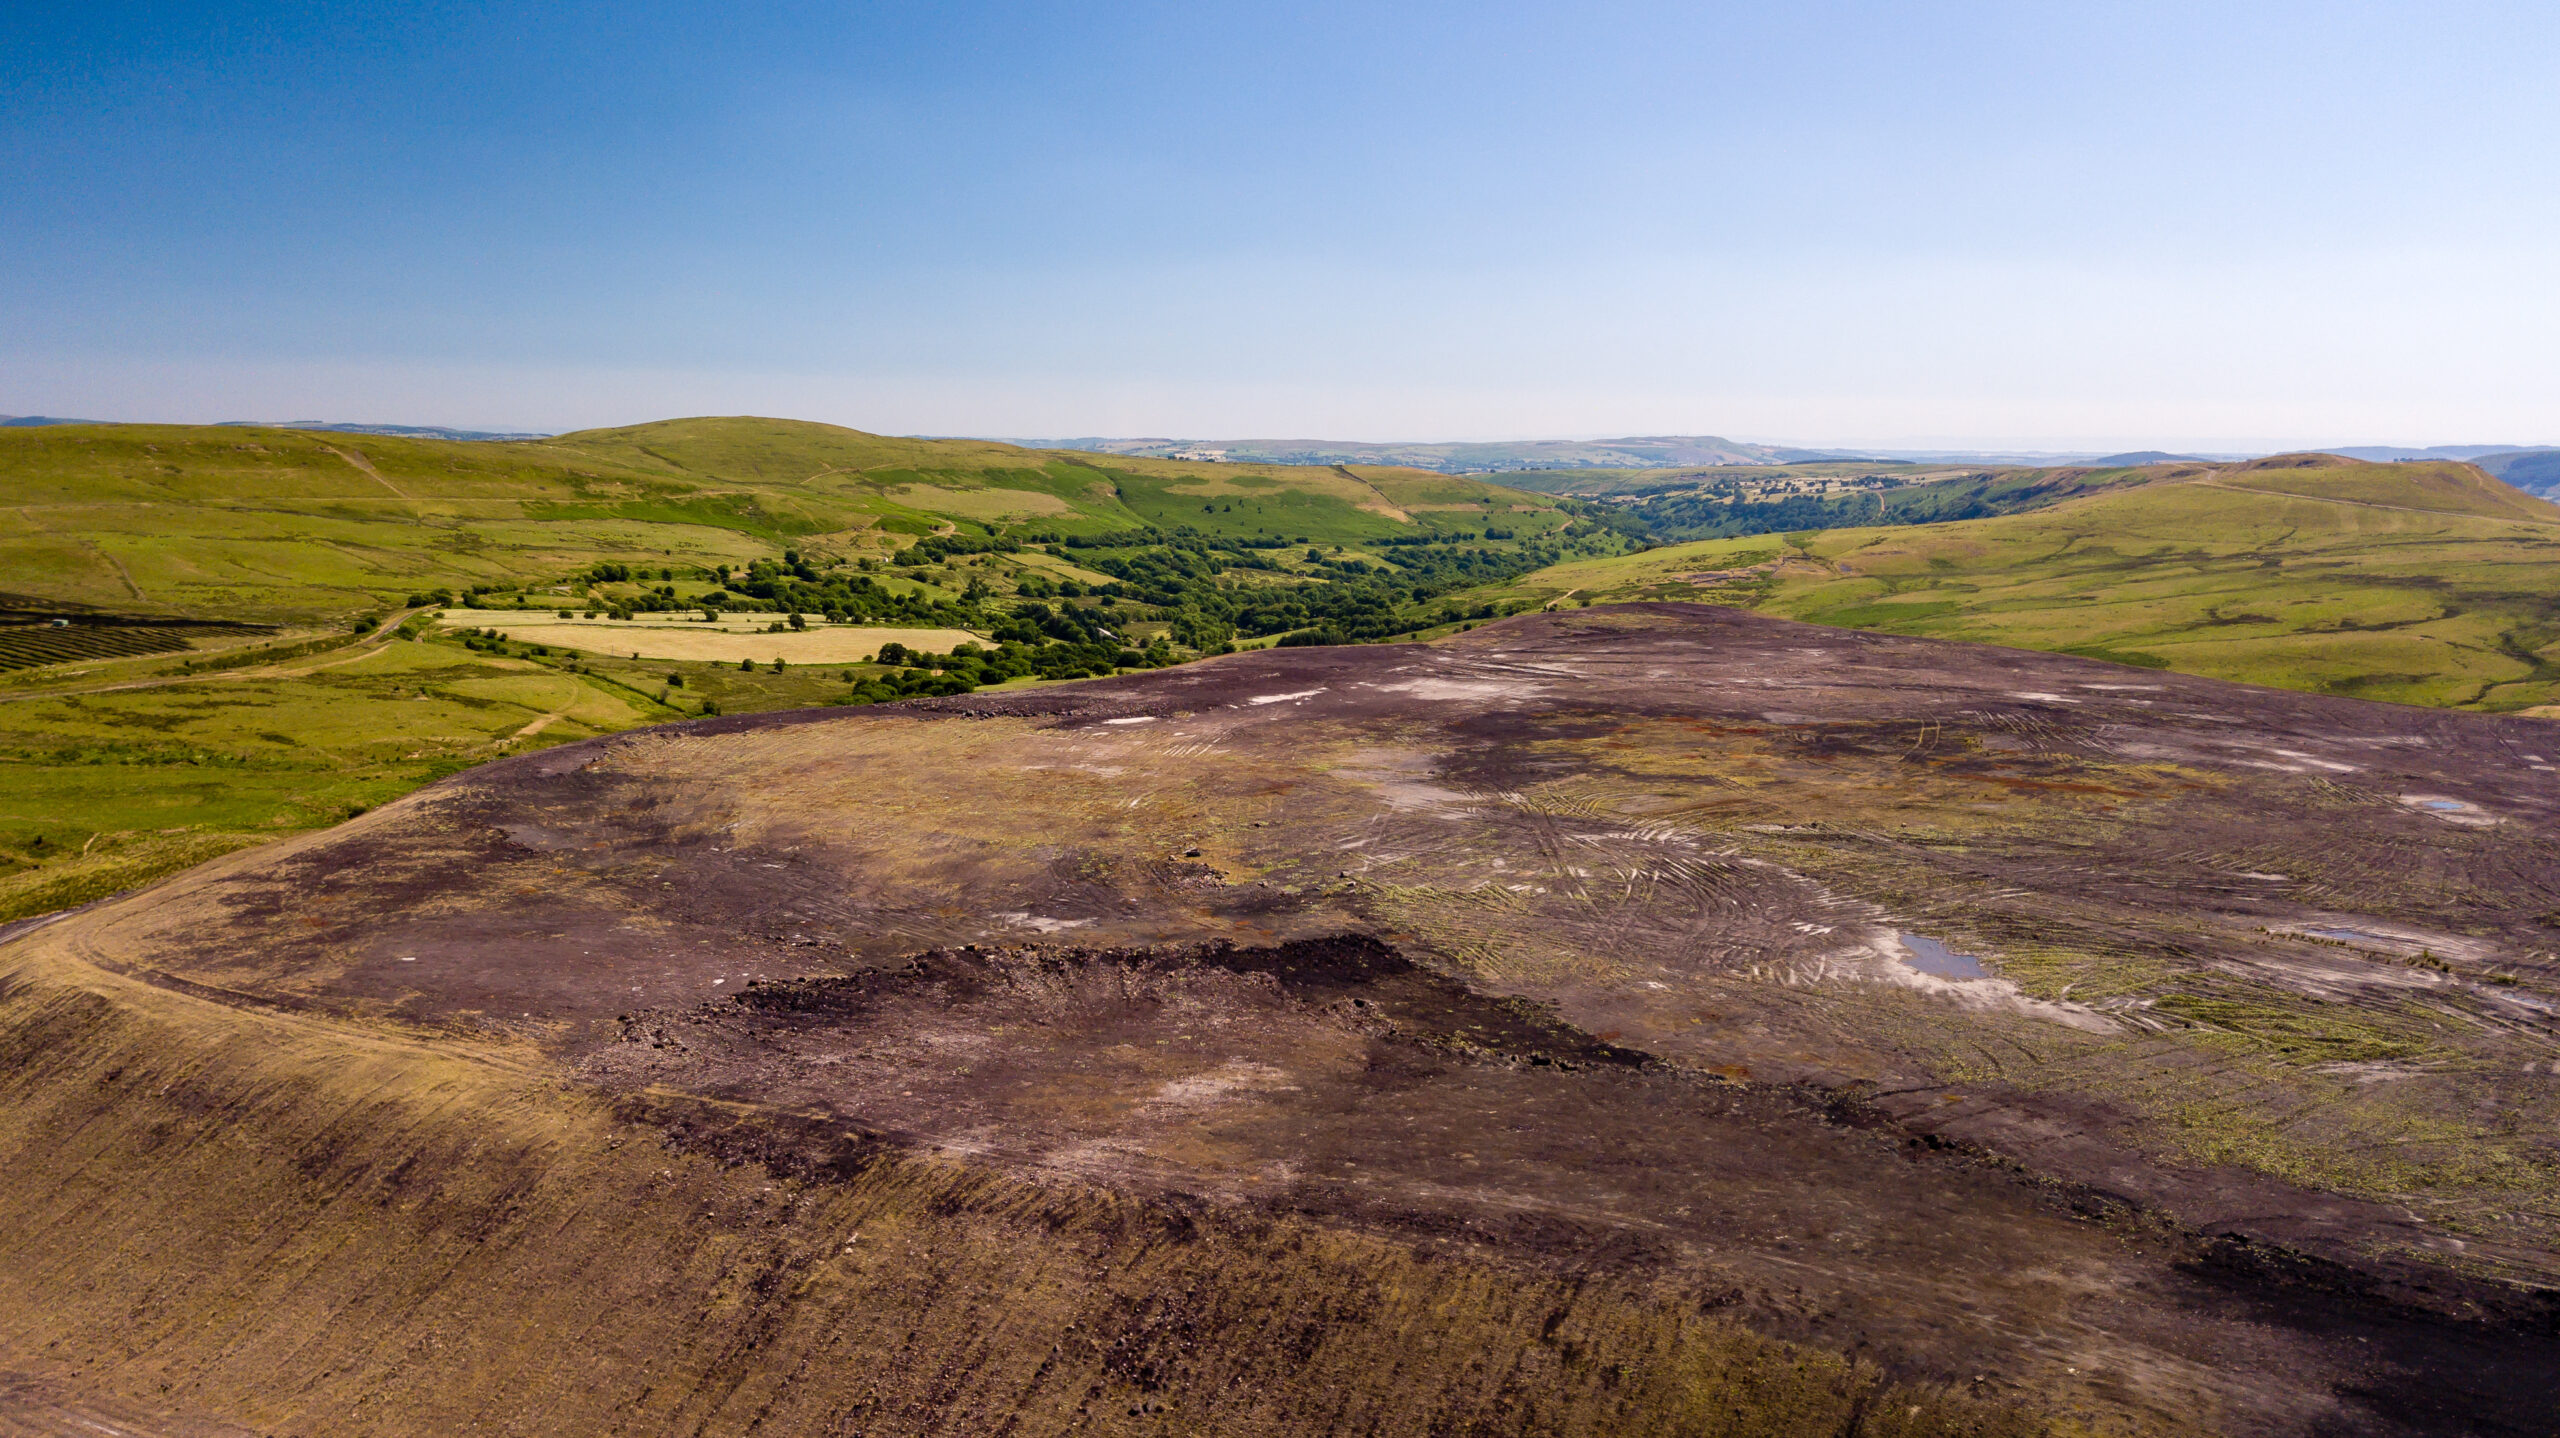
1574	947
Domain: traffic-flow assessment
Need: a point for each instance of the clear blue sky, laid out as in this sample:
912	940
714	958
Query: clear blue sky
2046	223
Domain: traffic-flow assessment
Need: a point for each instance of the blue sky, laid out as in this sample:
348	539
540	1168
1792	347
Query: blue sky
2055	224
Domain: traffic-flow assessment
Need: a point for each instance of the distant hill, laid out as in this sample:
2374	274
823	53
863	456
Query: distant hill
412	431
2424	582
2143	456
2387	452
2535	471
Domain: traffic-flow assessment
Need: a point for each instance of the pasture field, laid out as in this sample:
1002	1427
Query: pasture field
2416	583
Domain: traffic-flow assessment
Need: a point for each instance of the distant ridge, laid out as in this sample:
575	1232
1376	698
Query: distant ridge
1633	452
405	431
2535	471
2465	452
1696	451
2144	456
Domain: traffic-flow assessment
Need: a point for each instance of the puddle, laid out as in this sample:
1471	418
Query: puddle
2450	809
1931	957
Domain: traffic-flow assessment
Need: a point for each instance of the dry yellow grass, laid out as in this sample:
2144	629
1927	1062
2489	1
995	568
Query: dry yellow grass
734	638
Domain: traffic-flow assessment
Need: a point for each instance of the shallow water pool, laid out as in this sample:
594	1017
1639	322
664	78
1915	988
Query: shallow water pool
1931	957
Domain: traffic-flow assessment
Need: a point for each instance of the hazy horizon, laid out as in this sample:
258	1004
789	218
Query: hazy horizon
2037	445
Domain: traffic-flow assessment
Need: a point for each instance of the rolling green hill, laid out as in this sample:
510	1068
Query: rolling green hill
2424	583
289	525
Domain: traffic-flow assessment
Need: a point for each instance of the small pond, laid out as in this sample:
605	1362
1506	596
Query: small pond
1931	957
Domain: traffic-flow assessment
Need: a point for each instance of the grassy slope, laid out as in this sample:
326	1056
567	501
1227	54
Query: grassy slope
113	772
2421	583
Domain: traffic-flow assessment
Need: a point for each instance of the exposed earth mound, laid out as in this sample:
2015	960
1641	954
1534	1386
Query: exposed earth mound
1663	1020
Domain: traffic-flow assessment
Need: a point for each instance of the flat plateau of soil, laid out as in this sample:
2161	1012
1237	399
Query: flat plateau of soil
1597	953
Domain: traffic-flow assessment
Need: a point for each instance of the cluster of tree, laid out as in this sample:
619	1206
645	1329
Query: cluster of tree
660	600
1348	598
797	586
490	641
966	667
623	574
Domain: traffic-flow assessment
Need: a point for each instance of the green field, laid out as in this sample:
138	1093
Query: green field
2418	583
127	749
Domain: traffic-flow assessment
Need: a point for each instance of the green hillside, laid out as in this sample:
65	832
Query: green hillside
294	526
2424	583
199	636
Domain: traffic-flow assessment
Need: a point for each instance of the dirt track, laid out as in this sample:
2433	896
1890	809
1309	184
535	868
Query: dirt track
1569	948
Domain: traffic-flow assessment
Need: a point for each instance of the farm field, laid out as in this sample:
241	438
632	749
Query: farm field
2417	583
732	639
